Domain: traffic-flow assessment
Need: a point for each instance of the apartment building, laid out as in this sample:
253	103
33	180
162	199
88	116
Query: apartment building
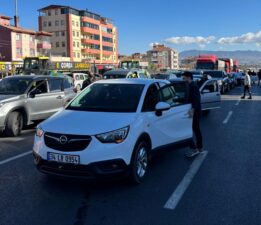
17	42
80	34
163	57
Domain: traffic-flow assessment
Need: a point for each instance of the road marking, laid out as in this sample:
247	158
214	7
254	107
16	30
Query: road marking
238	102
228	117
15	157
186	181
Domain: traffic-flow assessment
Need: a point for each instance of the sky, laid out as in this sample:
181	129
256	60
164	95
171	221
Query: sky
180	24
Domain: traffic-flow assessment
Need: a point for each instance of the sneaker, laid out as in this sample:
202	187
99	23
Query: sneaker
192	153
249	97
243	97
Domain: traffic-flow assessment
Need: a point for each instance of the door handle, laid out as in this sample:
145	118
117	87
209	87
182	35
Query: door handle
59	97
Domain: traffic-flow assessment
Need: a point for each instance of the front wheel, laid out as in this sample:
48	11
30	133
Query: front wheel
140	161
14	124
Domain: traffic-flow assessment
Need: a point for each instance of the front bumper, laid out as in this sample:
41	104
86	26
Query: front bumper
104	169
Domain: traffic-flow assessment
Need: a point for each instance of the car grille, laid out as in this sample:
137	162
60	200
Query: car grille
67	142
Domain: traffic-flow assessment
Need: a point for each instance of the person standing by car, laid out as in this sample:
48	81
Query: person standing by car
247	86
195	111
259	77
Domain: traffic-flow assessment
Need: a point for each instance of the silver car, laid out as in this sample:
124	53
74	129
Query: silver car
28	99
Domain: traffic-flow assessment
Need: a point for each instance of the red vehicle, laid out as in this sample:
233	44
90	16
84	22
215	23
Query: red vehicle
235	66
209	62
229	64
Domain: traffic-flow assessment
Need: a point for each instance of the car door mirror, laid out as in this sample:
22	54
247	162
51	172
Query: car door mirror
34	92
160	107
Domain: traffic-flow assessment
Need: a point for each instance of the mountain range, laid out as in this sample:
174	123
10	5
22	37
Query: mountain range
244	57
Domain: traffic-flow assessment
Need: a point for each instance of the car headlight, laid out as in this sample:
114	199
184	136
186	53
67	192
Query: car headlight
39	132
117	136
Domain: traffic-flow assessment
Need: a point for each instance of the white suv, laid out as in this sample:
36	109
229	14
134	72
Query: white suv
111	128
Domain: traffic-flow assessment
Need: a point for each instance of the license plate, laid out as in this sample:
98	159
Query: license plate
62	158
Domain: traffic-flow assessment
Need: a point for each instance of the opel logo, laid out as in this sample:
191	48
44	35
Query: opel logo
63	140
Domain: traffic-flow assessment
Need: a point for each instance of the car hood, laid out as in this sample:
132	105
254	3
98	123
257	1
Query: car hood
7	98
86	123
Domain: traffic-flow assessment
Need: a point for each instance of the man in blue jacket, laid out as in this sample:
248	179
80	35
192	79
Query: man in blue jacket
195	111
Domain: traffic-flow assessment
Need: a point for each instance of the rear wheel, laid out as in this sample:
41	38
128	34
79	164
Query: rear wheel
14	124
140	161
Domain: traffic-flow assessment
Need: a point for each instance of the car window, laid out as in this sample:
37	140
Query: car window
175	94
55	85
77	77
40	86
81	77
210	86
67	84
151	99
108	98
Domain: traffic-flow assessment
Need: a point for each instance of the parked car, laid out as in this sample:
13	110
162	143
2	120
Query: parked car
126	73
27	99
232	80
221	78
78	79
121	122
209	91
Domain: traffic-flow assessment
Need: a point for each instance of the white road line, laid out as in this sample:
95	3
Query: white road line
184	184
15	157
228	117
238	102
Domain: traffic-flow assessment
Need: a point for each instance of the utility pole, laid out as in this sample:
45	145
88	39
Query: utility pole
16	17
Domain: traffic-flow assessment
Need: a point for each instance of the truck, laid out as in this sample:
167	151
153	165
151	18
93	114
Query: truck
212	62
209	62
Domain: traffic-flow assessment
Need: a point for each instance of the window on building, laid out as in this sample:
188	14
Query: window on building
77	24
73	23
57	33
78	34
31	39
107	48
18	52
74	54
56	12
78	44
56	23
64	11
49	12
73	33
32	52
49	23
18	37
90	25
63	33
45	23
78	55
62	22
63	44
74	44
64	54
106	39
57	44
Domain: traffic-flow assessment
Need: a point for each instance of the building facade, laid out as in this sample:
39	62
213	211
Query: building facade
163	58
80	34
17	42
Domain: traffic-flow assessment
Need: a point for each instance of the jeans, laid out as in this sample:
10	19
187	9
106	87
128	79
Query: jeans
247	88
196	131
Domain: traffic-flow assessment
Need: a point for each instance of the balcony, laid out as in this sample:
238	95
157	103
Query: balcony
90	30
108	53
90	20
90	41
91	51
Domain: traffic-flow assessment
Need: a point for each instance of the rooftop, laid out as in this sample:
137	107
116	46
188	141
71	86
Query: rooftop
26	31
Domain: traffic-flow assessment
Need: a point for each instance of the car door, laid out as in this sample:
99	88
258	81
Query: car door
173	125
210	95
56	94
39	100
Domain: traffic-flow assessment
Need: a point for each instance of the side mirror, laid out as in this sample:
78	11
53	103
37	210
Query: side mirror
34	92
205	91
160	107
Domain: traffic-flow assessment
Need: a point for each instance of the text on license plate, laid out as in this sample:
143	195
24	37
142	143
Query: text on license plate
62	158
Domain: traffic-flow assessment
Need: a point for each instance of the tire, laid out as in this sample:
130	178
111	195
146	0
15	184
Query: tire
139	162
14	124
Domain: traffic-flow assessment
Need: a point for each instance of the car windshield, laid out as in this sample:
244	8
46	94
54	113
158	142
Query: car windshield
205	66
14	86
108	98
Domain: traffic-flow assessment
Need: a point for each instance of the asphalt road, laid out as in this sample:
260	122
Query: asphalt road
225	190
